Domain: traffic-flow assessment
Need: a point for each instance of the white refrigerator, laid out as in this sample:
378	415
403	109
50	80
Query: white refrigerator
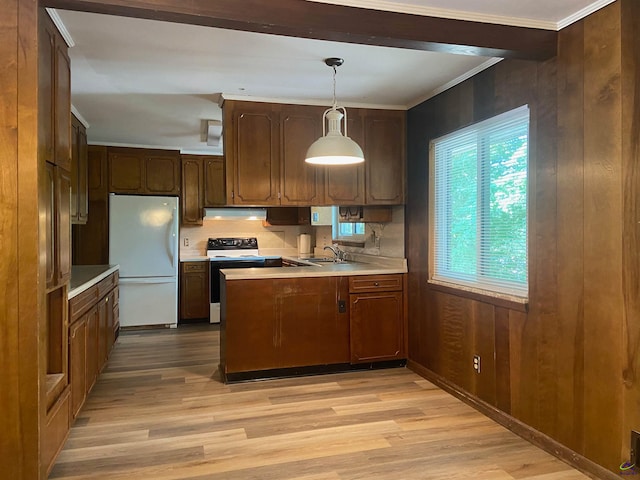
143	240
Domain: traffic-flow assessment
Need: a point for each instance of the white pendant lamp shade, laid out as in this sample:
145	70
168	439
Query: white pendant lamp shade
334	147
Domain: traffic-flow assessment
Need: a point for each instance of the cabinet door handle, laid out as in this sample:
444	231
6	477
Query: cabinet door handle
106	300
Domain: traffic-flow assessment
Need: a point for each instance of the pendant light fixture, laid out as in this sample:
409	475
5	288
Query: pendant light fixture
334	148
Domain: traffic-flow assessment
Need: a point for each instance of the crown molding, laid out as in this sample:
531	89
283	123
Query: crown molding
452	83
580	14
55	18
79	116
385	5
297	101
425	11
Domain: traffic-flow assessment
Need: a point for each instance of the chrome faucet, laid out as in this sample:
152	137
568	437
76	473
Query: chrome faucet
338	255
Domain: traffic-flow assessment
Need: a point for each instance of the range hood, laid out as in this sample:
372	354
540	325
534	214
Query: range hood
235	213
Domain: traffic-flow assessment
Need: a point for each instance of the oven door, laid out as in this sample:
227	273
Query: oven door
218	264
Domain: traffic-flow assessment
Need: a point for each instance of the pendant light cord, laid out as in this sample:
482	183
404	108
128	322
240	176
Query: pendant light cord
335	102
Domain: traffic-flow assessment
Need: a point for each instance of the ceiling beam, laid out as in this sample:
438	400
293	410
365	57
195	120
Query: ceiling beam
301	18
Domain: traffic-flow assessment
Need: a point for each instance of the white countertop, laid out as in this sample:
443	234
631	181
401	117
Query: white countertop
363	266
86	276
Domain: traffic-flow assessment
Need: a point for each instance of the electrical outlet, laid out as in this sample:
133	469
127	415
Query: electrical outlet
186	242
476	363
635	447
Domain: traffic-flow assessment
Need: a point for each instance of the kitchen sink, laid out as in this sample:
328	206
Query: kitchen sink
319	260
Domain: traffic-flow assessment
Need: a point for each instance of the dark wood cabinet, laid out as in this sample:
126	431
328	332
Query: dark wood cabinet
79	173
91	240
385	156
58	226
143	172
202	186
344	185
214	181
262	323
192	201
252	152
376	318
266	144
194	290
300	182
288	216
126	168
54	95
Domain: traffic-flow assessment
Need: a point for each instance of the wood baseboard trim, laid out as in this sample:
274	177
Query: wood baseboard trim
521	429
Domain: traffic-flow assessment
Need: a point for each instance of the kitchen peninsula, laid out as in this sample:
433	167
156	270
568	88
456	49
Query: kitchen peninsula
317	317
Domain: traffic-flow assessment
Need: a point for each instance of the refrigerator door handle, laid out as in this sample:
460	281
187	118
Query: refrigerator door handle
136	281
172	227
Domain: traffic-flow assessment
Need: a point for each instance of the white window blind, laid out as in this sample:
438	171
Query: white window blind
479	205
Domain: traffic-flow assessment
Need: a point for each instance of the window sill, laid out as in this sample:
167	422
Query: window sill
498	299
348	243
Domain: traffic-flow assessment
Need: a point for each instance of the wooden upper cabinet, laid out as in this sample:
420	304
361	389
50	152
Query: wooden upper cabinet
384	144
162	175
62	98
125	171
79	172
192	189
214	182
345	184
266	144
54	95
63	225
57	188
300	182
202	186
251	143
46	85
50	221
144	172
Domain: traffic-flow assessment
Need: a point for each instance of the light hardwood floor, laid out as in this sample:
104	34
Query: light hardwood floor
160	412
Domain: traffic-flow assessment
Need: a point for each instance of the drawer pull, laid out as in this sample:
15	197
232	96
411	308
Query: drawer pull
376	284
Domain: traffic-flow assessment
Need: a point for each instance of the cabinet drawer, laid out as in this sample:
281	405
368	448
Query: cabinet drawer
194	266
82	302
106	285
372	283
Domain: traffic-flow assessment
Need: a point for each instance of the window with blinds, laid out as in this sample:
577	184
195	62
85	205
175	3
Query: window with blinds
479	205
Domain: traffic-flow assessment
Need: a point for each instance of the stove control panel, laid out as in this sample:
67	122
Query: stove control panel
232	243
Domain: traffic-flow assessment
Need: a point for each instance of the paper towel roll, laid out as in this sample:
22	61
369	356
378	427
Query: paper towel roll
304	244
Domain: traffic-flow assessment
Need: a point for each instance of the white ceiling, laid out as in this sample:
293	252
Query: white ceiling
148	83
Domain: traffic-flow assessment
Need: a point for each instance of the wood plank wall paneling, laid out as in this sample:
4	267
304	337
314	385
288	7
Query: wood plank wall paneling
603	236
631	212
569	366
570	240
19	329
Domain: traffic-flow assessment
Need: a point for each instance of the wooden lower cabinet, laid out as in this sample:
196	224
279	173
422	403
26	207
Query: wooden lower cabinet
56	429
91	366
92	332
194	290
376	326
284	323
376	318
78	356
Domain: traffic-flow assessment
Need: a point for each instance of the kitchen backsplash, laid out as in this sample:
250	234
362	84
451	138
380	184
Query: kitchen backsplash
282	240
